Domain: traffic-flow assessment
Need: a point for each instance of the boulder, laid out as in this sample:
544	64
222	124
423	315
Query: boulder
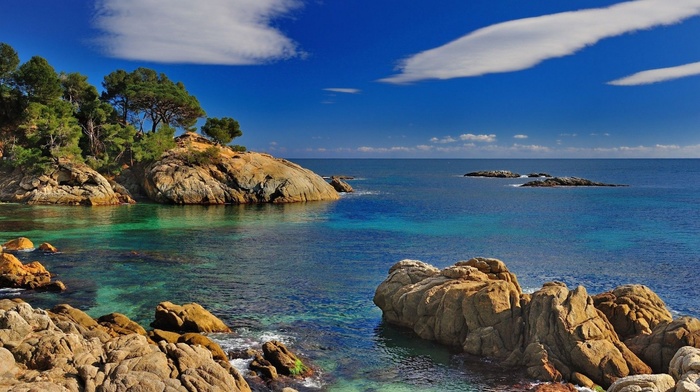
196	339
190	317
565	181
478	305
119	324
47	248
28	276
493	174
632	310
340	185
232	178
685	369
66	183
284	361
18	244
644	383
555	387
658	348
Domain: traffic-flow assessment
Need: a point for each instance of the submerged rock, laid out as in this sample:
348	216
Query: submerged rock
228	177
493	174
566	181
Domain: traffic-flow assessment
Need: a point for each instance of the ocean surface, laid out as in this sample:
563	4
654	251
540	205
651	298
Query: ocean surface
305	274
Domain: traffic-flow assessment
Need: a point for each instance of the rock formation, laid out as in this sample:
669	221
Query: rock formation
68	183
18	244
555	333
340	185
493	174
565	181
190	317
27	276
65	350
227	177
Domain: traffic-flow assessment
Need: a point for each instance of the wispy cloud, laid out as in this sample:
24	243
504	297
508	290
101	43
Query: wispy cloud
444	140
478	138
343	90
520	136
231	32
520	44
658	75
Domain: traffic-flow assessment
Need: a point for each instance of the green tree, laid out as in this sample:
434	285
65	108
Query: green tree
9	61
38	81
11	104
152	145
222	130
53	130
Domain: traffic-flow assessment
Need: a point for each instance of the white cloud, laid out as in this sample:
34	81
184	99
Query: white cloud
520	137
343	90
478	138
520	44
658	75
444	140
230	32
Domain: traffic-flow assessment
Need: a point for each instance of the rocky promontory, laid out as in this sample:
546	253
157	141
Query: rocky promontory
555	333
493	174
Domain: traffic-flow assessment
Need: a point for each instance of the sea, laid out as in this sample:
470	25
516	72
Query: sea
305	274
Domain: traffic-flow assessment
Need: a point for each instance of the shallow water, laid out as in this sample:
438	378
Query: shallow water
306	273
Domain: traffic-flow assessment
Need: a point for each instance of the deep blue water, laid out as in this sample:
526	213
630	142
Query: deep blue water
306	273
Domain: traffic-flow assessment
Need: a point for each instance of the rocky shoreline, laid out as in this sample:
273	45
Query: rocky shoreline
613	340
546	180
183	175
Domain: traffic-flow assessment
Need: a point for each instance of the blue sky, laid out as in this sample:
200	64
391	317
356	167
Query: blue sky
402	79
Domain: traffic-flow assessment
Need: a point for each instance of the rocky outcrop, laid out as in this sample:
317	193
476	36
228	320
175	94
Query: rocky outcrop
27	276
18	244
536	175
67	351
67	183
658	348
47	248
632	310
229	177
565	181
645	382
493	174
190	317
340	185
478	306
685	369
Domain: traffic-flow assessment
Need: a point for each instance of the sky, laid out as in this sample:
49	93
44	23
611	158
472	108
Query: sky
402	79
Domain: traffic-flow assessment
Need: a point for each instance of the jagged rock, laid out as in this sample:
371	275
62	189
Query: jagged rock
30	276
263	368
286	362
535	175
158	334
47	248
192	338
644	383
478	305
17	244
340	186
632	310
566	181
68	184
685	369
190	317
119	324
232	177
658	348
122	193
493	174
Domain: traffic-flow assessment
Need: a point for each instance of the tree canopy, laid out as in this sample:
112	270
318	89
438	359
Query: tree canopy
46	116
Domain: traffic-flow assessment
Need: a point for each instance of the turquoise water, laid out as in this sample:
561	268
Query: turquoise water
306	273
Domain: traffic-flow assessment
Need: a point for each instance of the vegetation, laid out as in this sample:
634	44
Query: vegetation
46	116
299	368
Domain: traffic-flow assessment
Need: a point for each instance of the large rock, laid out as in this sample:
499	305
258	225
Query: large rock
190	317
67	183
29	276
644	383
685	369
38	355
18	244
658	348
285	361
478	306
493	174
340	185
231	177
632	310
566	181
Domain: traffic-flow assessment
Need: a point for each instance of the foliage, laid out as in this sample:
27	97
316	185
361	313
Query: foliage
38	81
53	129
299	368
152	145
209	156
222	130
238	148
29	158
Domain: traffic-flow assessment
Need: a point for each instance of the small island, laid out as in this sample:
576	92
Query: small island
63	142
566	182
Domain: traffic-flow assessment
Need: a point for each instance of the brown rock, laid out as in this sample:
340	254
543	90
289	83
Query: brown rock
192	339
658	348
263	368
190	317
31	276
47	248
644	382
284	360
119	324
236	178
632	310
21	243
158	334
340	185
555	387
